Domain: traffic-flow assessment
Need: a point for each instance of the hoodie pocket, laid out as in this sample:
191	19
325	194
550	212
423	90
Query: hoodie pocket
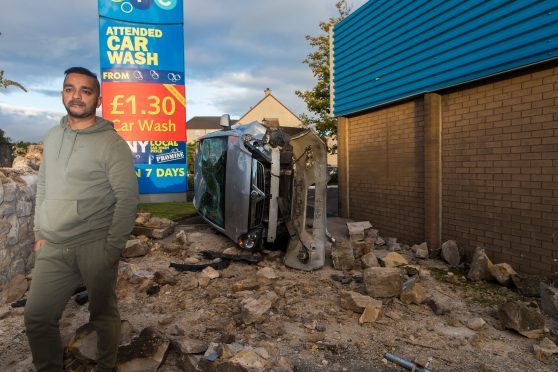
59	216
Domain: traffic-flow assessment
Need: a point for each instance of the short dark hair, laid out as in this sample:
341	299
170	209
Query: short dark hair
84	71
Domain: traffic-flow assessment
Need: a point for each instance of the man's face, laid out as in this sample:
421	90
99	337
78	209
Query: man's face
80	96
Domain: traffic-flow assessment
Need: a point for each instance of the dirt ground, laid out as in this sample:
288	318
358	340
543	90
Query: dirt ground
307	325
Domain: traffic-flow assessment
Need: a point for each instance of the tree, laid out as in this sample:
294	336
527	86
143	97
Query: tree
6	83
3	139
317	99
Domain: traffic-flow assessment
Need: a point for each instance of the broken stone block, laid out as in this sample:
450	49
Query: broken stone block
356	302
549	300
369	260
83	345
249	360
211	273
545	349
370	314
135	248
527	285
413	293
421	250
394	259
181	237
361	248
380	241
480	266
524	318
253	309
163	277
371	235
438	305
383	281
342	256
151	231
189	345
450	252
267	274
502	272
16	288
247	284
475	323
356	230
145	353
227	351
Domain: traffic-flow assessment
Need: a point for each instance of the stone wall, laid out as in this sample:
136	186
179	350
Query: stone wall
17	198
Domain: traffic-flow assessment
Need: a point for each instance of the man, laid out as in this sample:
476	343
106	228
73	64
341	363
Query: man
85	210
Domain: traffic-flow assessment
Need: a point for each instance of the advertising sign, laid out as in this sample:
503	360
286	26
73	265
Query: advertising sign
142	77
142	11
141	53
143	111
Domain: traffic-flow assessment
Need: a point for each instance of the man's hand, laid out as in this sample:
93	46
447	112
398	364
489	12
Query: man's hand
38	245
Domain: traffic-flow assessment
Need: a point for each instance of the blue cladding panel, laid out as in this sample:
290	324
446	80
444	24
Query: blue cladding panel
388	50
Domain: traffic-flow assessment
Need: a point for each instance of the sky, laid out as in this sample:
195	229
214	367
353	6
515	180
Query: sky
234	50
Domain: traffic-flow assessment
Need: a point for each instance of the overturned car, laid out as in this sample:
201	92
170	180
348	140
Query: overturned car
252	182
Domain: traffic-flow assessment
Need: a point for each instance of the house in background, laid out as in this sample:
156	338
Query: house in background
448	124
201	125
269	110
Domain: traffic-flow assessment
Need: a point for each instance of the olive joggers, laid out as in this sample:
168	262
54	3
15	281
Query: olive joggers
58	272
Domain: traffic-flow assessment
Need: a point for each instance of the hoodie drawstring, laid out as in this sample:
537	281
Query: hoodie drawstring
71	150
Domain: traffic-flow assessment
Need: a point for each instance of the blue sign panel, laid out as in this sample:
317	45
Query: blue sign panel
145	52
160	178
158	152
143	11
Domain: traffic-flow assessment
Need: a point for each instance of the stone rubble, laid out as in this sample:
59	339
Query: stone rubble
240	318
502	272
394	259
450	253
342	256
545	349
421	250
357	302
549	300
383	281
525	318
135	248
480	266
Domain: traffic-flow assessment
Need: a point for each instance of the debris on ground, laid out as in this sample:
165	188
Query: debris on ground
219	308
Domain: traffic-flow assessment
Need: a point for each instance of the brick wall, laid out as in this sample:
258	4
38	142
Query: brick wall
500	169
386	157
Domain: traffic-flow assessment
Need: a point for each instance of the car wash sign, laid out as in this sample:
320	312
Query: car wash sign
142	75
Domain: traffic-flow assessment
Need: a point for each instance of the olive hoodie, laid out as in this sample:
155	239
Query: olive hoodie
87	189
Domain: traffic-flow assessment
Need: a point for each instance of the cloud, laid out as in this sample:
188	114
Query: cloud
26	123
233	51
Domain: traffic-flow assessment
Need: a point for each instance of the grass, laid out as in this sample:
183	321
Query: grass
172	211
486	294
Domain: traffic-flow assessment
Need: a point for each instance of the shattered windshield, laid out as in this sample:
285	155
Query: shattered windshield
211	155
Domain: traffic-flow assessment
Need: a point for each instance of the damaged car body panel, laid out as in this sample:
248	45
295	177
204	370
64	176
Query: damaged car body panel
251	183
